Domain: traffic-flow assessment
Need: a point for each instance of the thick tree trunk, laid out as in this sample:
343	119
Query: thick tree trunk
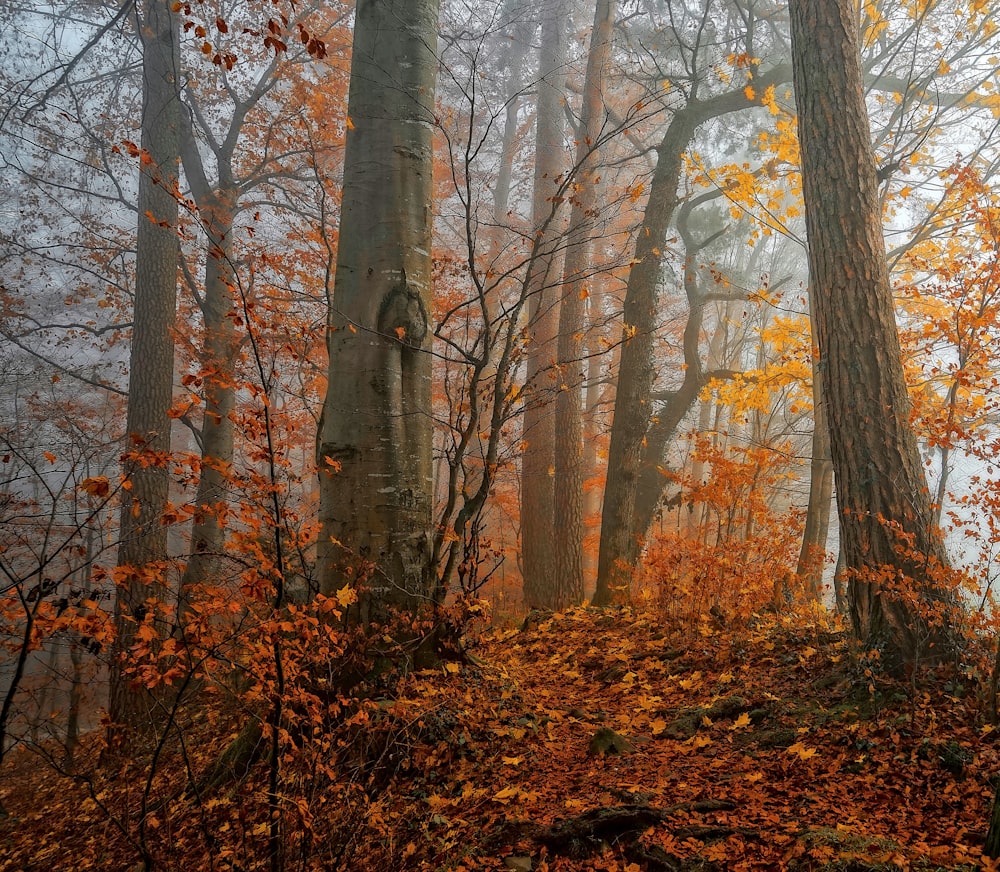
881	490
374	451
569	464
142	594
538	439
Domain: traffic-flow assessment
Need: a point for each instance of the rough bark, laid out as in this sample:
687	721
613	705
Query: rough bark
538	439
569	461
879	476
142	593
374	451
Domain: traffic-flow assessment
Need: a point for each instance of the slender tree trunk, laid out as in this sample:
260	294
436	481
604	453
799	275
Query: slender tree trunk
882	493
619	546
538	439
591	425
817	527
569	464
374	452
630	439
142	593
220	346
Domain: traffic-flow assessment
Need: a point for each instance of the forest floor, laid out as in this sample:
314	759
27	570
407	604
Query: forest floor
590	740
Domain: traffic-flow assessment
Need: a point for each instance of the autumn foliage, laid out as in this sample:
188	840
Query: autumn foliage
762	747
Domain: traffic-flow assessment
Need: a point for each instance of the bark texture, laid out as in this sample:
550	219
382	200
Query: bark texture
143	550
544	271
374	451
879	477
569	461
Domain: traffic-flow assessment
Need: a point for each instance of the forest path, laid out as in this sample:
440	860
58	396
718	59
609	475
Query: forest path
598	740
592	739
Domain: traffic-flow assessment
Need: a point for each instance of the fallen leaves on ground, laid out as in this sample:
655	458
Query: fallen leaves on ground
760	746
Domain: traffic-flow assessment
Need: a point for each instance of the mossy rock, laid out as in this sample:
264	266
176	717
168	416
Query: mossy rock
780	738
851	852
685	725
606	741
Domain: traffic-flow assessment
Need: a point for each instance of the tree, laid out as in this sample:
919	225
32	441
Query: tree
538	431
636	427
887	532
569	460
374	444
141	594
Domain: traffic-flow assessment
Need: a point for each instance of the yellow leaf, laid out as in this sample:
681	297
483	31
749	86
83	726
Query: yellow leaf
801	751
742	721
347	595
452	667
749	92
505	795
658	726
512	761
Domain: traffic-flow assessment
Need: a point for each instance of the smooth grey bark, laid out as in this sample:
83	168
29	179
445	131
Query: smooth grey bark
374	446
142	593
538	433
886	520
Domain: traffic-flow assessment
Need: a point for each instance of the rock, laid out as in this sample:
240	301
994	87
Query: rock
607	741
518	864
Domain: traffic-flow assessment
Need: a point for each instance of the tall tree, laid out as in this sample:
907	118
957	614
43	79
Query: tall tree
141	592
635	427
885	511
544	270
374	445
569	463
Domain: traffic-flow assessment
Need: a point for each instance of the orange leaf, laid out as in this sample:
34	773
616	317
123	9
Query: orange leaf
97	486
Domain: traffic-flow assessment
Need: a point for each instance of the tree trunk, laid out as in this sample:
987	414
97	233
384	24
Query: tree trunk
620	541
569	465
374	451
619	546
220	345
812	555
538	439
881	490
142	593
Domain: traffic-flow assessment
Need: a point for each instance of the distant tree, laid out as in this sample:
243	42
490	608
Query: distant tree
141	593
887	526
544	270
569	459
